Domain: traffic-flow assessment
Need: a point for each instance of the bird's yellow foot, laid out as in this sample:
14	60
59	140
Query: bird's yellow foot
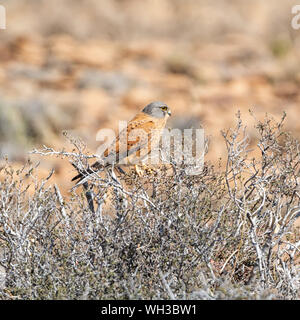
144	168
149	170
138	170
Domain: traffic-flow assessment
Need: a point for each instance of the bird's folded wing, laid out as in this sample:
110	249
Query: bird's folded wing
136	137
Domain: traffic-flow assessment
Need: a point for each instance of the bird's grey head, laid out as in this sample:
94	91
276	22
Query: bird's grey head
157	109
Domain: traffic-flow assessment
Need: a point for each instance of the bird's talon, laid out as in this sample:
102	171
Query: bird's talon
138	170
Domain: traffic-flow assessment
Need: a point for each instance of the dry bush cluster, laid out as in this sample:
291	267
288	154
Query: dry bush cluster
223	234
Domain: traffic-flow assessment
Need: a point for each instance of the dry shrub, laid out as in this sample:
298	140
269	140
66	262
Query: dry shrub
223	234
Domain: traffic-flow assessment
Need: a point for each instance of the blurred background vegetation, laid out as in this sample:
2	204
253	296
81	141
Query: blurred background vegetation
83	65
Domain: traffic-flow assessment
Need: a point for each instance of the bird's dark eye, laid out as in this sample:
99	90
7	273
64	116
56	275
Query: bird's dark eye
164	108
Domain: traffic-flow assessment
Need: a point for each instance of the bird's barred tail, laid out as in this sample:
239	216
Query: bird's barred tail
81	175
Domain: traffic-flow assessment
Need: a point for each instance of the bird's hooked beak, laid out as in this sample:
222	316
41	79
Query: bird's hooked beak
169	113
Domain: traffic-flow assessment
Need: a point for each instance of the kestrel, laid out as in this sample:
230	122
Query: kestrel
142	133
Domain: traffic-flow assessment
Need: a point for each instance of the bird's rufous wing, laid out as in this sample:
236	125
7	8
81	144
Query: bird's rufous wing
135	137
